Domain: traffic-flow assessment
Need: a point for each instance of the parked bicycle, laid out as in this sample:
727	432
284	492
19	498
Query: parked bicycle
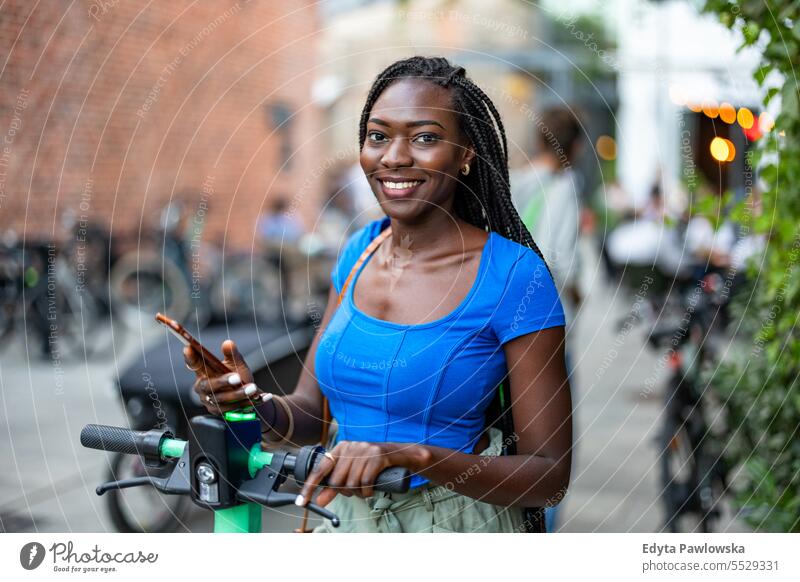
52	301
694	475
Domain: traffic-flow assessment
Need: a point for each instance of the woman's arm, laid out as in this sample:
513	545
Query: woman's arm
537	475
224	392
306	400
539	472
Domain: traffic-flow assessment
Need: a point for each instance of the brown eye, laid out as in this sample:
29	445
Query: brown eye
376	136
426	138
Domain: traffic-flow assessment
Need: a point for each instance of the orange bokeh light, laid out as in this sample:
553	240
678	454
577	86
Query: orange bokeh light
731	150
606	147
745	118
727	113
711	109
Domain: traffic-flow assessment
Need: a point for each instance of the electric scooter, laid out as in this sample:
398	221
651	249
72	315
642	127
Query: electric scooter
222	467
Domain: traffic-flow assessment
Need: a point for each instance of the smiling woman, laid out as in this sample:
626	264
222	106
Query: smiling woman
413	345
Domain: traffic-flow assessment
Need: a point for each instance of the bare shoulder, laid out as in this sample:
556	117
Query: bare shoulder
473	238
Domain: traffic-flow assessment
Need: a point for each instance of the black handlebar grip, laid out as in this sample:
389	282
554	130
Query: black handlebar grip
116	439
393	480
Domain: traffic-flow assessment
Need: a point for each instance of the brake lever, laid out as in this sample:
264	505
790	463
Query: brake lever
157	482
177	483
263	489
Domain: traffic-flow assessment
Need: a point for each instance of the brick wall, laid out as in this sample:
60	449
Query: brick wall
110	108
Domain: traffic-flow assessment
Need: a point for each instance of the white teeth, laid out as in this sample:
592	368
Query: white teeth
401	185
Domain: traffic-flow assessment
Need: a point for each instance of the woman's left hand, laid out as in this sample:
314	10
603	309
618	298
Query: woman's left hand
353	466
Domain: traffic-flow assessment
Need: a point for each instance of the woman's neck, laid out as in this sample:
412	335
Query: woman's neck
440	233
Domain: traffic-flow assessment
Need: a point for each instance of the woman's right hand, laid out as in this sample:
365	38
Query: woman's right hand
221	393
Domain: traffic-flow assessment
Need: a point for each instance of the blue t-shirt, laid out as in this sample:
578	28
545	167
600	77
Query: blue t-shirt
431	383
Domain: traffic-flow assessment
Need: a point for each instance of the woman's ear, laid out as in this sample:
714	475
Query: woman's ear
469	155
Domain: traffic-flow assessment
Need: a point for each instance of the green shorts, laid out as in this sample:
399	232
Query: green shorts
428	508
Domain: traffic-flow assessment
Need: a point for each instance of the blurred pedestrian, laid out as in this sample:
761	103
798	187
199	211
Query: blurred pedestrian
278	225
546	193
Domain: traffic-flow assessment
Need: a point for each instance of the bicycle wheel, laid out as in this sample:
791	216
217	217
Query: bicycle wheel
141	285
142	509
249	289
676	470
84	328
10	297
710	490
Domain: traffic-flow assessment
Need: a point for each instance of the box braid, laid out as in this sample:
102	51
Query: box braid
483	198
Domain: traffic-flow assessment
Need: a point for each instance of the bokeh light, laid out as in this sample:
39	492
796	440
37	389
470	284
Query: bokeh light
766	122
731	150
727	113
711	109
606	147
719	149
745	118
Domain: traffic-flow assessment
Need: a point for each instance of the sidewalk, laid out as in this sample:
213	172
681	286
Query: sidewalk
48	480
615	479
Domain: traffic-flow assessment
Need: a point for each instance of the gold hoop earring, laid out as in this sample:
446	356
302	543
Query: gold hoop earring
465	170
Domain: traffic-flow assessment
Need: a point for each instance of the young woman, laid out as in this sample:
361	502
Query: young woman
454	300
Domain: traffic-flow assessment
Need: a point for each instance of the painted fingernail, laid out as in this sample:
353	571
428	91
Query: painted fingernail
234	379
250	389
299	501
266	396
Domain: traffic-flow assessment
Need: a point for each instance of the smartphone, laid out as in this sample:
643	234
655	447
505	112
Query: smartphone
212	363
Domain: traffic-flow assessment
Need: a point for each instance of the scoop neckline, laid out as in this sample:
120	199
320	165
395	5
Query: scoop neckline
460	307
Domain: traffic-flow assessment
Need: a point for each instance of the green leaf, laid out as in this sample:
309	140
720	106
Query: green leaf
751	32
770	94
790	106
760	75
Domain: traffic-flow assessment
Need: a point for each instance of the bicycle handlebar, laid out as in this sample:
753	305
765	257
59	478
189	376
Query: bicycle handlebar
157	445
390	480
115	439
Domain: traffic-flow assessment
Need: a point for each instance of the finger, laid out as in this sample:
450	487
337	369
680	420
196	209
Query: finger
226	382
214	406
354	476
218	396
196	363
325	496
232	357
313	480
192	359
247	393
370	474
339	475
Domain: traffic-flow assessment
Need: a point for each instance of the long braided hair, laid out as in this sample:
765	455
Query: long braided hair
483	198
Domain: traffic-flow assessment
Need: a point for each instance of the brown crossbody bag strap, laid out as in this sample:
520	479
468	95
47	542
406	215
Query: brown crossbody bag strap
326	409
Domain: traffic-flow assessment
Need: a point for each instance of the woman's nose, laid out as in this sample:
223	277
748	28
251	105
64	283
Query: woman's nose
397	153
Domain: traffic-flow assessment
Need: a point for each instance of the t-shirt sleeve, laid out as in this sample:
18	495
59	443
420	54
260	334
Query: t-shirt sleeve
350	251
529	302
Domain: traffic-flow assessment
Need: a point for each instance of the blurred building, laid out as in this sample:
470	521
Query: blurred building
515	51
109	109
682	83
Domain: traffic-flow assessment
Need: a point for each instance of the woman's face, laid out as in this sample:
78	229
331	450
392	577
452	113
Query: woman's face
414	149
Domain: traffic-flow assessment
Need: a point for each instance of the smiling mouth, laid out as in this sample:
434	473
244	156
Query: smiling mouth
399	188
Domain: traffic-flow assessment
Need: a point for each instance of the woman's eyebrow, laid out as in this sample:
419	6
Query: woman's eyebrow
419	123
